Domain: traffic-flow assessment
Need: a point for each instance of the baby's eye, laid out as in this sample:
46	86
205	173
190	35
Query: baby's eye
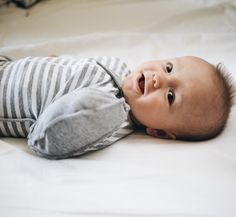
171	97
169	67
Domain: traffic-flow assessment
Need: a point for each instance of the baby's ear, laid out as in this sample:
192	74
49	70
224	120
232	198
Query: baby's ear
161	134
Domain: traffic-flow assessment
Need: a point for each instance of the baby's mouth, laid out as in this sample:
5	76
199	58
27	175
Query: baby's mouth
141	83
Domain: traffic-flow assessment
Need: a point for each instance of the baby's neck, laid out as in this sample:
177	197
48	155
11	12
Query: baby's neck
137	124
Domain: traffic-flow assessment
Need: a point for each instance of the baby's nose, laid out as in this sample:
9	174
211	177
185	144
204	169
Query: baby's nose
157	80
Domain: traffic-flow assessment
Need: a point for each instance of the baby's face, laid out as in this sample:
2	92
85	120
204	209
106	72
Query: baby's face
170	95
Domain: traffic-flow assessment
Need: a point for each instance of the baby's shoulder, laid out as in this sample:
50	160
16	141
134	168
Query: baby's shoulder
113	64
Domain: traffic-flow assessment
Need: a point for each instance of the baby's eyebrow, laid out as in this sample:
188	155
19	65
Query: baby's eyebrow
179	89
177	63
163	66
179	99
176	106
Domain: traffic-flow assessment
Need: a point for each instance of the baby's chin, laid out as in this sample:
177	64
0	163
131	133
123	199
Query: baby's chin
127	85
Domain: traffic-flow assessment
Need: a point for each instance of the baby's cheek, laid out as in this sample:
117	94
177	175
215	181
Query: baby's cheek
146	105
152	99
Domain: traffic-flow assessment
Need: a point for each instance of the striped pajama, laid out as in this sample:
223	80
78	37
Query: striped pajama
29	85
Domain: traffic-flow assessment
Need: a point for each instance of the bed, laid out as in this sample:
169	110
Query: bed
138	175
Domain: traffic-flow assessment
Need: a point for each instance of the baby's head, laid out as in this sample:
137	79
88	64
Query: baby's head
182	98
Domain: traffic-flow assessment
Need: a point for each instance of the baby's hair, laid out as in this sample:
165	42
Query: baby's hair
227	97
228	92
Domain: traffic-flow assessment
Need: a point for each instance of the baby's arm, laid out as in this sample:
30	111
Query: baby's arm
75	122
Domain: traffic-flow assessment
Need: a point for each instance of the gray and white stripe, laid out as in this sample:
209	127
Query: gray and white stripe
29	85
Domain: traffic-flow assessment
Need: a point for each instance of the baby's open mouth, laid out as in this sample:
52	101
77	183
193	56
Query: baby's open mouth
141	83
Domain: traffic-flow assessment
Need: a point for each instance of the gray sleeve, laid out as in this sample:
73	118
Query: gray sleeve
78	119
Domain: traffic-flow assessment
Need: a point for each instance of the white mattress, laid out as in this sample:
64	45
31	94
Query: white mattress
139	175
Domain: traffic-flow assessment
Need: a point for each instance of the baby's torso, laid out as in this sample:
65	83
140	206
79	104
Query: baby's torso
29	85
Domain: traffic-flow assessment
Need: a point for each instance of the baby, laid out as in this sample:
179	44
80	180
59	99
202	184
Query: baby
182	98
68	107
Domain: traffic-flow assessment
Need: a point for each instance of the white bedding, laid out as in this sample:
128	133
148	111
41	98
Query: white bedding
139	175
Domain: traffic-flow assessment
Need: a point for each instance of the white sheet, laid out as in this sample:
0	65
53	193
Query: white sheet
139	175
